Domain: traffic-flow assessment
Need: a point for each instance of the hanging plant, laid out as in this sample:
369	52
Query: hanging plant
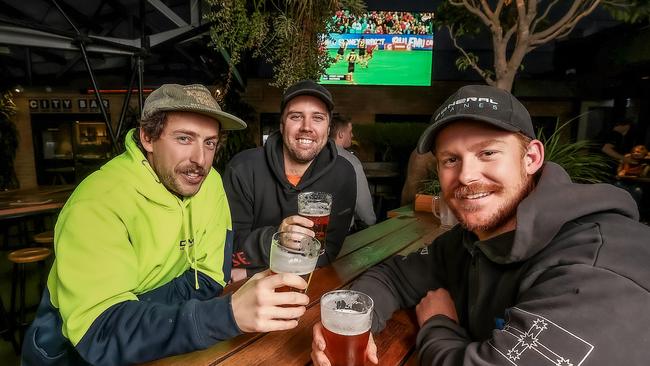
8	142
287	33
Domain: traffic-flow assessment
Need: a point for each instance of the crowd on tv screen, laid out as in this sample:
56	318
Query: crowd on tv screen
381	22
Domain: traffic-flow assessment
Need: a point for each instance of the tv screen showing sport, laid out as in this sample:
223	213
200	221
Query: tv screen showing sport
380	48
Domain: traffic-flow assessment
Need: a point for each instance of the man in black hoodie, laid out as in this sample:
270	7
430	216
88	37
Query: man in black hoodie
263	184
540	271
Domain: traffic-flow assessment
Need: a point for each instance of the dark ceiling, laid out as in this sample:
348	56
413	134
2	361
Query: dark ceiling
41	41
41	44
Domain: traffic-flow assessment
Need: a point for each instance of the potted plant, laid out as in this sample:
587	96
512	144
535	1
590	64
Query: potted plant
429	188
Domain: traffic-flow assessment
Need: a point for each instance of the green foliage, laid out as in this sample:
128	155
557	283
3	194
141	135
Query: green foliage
628	11
287	33
431	185
576	157
8	141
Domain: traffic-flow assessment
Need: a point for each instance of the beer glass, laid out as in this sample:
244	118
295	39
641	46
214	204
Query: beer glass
316	206
442	211
293	252
346	316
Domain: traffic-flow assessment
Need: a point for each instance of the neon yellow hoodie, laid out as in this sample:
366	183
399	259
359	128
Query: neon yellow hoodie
123	234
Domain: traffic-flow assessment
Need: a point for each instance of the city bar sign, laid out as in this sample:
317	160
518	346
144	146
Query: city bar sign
65	105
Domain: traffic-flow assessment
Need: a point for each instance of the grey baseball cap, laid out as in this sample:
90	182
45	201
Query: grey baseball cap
189	98
479	103
307	87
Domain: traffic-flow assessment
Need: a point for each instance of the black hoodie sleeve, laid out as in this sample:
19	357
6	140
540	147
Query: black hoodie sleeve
398	283
251	246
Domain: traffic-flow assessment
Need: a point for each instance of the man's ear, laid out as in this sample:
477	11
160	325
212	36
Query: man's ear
534	157
146	142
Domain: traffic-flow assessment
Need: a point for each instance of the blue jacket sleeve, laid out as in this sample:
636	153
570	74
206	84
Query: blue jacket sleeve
182	289
138	331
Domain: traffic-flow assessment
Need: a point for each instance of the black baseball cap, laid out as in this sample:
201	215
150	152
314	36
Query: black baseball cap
307	87
479	103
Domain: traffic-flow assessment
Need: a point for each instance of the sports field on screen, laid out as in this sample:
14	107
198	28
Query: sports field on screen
386	68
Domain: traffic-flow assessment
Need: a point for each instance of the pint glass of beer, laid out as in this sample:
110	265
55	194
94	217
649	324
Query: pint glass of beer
316	206
346	316
293	252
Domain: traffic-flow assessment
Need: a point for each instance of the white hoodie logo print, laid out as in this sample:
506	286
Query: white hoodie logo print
531	339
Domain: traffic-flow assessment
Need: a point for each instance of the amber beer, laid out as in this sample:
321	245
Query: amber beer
316	206
321	220
346	316
296	253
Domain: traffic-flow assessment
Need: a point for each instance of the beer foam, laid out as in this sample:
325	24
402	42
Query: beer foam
284	262
339	315
346	322
314	211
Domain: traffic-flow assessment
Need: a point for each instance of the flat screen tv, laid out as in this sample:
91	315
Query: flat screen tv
379	48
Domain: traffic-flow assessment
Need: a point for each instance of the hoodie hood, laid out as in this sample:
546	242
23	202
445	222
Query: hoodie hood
554	202
140	174
320	166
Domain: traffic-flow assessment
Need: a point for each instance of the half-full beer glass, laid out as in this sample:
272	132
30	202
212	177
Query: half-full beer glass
316	206
346	316
293	252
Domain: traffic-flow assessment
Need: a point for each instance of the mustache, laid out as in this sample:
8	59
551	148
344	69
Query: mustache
191	168
475	188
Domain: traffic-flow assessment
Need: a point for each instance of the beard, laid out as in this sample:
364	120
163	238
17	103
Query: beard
505	212
302	156
172	179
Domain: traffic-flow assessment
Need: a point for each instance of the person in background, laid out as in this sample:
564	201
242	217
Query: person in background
535	272
263	184
619	141
633	164
419	169
637	165
341	50
143	250
352	60
341	133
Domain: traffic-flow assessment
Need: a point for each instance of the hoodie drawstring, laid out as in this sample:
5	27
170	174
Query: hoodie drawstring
187	224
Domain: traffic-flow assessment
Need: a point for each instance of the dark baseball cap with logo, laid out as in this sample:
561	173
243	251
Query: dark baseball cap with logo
479	103
307	87
189	98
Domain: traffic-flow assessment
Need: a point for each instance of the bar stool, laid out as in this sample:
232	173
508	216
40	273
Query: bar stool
45	238
6	329
20	259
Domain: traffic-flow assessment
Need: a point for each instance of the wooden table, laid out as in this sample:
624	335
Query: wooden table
33	201
362	250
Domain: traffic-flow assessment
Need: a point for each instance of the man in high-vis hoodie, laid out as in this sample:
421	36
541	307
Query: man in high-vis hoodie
143	250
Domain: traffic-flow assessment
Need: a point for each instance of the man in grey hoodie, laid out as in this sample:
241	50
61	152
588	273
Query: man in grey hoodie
540	271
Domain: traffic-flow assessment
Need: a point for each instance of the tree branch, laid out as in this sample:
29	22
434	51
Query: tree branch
543	37
473	8
543	16
471	62
585	7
